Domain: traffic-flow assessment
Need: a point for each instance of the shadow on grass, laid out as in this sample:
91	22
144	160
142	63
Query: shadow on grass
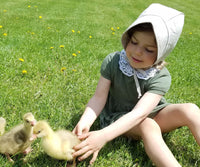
74	120
120	148
184	147
131	154
43	160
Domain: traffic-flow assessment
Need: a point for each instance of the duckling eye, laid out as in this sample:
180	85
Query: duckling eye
27	121
39	131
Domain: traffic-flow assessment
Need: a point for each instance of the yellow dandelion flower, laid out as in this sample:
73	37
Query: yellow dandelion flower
24	72
4	10
40	17
29	6
78	32
74	54
113	33
62	46
51	47
20	59
73	31
74	70
1	26
79	52
112	29
5	34
90	36
190	33
32	33
48	27
35	6
118	28
63	69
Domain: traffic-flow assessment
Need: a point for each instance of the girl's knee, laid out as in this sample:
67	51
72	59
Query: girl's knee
187	113
145	128
193	107
149	127
192	112
189	109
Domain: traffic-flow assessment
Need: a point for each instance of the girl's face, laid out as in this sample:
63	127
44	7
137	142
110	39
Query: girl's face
141	50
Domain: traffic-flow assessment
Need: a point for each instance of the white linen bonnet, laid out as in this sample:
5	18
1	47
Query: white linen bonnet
167	24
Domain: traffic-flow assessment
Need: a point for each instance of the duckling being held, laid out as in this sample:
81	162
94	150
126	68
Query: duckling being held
2	125
17	140
58	144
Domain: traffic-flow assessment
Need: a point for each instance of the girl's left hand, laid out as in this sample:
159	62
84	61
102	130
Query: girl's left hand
91	144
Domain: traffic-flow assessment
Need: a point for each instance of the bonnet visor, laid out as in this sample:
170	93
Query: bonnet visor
167	25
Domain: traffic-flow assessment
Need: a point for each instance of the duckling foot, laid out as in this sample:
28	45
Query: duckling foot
9	158
28	150
72	163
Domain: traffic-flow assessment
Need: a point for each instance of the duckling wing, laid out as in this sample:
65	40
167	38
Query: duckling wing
68	136
20	137
8	142
68	141
53	146
14	141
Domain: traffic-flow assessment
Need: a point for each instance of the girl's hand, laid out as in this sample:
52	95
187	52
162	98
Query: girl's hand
92	144
81	128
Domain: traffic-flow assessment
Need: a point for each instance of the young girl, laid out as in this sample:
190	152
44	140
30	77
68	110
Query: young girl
129	95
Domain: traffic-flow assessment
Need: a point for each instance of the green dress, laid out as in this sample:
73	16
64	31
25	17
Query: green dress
123	95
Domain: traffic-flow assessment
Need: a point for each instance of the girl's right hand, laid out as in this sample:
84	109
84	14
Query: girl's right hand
81	128
91	143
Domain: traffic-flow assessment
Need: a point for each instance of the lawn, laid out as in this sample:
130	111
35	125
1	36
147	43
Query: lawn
50	57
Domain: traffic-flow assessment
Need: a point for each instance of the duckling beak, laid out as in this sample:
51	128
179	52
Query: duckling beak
33	137
33	123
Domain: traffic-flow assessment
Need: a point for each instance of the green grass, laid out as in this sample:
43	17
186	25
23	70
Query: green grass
60	96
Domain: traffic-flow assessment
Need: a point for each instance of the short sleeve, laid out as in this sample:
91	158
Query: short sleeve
160	83
108	65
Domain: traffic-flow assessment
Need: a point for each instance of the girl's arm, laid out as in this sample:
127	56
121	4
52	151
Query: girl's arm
94	107
143	108
95	140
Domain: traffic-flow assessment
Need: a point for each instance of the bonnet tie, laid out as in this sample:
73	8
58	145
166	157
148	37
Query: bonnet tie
129	71
137	85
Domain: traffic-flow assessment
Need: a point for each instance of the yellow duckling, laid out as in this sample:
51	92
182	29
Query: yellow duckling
18	139
58	144
2	125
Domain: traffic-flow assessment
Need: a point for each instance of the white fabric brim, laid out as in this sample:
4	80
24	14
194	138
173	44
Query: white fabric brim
160	31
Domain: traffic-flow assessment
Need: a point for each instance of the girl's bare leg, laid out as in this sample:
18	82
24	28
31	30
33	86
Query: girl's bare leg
177	115
154	144
168	119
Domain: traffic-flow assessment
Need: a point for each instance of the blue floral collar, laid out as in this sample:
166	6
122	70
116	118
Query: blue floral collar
129	71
